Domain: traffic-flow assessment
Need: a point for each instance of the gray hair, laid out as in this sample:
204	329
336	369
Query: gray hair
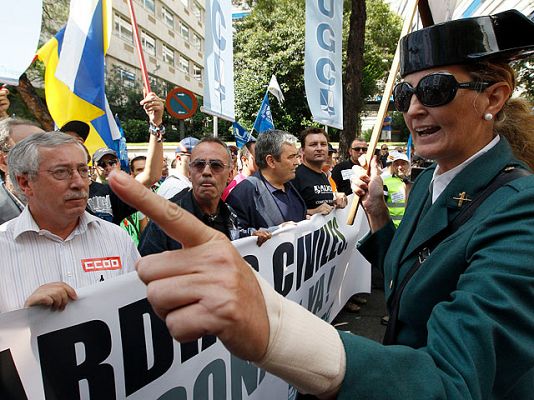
212	139
271	142
25	157
5	130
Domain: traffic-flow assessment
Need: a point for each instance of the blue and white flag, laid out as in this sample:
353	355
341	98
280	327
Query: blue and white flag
74	76
322	61
219	60
242	136
264	119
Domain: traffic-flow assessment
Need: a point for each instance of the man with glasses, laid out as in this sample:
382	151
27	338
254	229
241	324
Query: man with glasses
343	171
102	200
104	161
209	171
54	246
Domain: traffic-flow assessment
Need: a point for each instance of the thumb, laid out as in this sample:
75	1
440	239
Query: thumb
174	220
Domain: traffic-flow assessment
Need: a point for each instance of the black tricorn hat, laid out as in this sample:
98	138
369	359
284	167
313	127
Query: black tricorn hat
505	36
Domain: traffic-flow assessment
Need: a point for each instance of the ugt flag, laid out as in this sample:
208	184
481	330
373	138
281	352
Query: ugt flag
219	60
322	61
74	77
264	119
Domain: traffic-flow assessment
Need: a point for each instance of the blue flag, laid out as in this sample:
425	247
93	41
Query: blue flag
264	120
242	136
122	149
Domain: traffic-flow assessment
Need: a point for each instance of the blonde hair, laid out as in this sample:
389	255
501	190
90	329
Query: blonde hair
515	121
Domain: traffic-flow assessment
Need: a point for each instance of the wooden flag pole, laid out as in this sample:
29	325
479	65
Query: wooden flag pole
144	73
383	106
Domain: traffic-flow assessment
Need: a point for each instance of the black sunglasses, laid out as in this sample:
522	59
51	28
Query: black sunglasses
433	90
364	149
216	166
104	164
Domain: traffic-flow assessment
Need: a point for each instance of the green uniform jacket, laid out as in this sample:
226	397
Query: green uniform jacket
467	315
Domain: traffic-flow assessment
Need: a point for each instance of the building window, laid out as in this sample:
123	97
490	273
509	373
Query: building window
183	64
127	78
184	31
123	29
185	3
197	72
168	55
150	5
149	43
197	11
197	41
168	17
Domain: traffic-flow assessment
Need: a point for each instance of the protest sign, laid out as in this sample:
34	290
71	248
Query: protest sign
109	344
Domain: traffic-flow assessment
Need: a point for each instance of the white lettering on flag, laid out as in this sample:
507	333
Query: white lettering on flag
219	60
322	61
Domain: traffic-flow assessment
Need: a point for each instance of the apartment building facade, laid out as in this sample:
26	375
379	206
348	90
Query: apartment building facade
172	36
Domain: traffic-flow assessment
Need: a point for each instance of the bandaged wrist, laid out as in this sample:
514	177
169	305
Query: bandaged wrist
303	350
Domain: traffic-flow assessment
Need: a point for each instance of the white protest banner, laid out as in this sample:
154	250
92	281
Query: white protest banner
219	60
109	344
322	61
20	27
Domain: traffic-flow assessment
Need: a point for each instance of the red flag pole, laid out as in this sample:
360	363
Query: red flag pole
144	73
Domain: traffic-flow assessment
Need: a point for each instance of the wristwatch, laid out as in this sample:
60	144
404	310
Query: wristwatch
157	130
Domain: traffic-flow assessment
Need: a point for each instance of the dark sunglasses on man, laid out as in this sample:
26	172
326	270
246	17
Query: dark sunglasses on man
216	166
104	164
360	149
433	90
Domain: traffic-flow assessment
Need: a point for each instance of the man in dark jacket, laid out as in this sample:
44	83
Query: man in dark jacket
268	198
209	171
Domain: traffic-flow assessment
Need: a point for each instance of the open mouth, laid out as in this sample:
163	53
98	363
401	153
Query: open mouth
427	130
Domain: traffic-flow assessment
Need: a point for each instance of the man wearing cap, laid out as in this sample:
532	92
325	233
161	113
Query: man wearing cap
342	172
12	131
102	200
310	180
104	161
397	184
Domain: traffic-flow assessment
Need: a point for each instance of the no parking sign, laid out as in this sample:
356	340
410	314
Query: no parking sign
181	103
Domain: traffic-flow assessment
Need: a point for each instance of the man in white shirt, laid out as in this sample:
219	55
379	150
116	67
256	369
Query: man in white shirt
54	246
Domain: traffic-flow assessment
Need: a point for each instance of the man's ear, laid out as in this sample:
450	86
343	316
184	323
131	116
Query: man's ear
25	185
269	159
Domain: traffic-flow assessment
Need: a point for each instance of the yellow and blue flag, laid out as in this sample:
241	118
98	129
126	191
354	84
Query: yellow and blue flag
74	76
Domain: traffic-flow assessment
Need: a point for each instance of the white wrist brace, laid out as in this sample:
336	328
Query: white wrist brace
303	350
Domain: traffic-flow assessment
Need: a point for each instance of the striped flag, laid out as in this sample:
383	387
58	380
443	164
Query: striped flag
74	77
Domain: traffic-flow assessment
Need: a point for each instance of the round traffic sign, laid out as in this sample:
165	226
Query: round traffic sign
181	103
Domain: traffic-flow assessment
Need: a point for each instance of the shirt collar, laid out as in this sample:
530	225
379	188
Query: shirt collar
440	181
25	223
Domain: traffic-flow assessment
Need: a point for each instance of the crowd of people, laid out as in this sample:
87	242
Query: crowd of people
455	246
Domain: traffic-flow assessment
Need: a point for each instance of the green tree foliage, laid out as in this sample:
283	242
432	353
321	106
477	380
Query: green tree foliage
124	101
271	41
525	77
